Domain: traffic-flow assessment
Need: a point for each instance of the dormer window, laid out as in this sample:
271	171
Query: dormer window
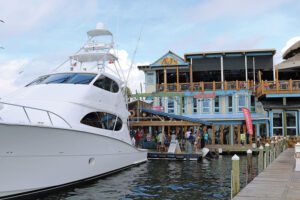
107	84
102	120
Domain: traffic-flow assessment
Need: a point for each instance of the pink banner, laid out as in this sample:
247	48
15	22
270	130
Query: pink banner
247	116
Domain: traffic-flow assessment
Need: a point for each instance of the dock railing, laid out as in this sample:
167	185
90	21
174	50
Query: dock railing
278	87
29	114
205	86
266	156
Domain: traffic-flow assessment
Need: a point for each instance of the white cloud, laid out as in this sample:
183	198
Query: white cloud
289	43
9	72
136	77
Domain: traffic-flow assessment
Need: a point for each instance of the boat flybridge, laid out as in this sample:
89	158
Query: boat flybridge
66	126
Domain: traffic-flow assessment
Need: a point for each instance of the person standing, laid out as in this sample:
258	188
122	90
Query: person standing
186	137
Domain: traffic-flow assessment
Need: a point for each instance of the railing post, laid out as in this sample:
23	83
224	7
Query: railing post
225	85
262	87
267	146
249	165
261	159
291	84
235	179
237	85
202	86
272	152
277	86
214	86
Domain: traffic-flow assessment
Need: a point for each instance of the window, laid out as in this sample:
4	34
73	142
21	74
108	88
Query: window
150	78
229	104
206	106
170	105
102	120
107	84
70	78
252	104
217	105
241	102
195	105
291	125
183	104
277	123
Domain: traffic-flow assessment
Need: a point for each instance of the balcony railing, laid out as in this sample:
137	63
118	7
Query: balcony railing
205	86
278	87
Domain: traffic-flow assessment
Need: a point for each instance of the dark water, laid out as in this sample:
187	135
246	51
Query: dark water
162	179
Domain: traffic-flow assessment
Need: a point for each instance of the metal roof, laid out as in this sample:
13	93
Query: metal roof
179	117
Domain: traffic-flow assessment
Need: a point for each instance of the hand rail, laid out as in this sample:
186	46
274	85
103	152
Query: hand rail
47	111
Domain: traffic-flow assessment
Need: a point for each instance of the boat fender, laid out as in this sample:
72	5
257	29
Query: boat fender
132	113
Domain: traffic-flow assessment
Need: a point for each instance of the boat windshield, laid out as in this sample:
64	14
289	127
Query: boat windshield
68	78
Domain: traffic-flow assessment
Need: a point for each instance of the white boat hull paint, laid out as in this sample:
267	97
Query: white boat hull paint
33	158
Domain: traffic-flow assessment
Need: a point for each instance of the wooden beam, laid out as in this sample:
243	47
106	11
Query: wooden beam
233	133
239	134
229	138
259	76
191	74
255	132
177	79
165	79
213	134
163	123
221	134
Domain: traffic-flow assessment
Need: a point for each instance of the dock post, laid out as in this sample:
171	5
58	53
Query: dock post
249	165
272	151
261	159
267	146
235	176
284	143
276	149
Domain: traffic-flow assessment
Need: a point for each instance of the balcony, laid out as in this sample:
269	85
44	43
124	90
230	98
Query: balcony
278	87
205	86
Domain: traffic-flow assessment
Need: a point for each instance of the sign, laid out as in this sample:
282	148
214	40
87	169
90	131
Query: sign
158	108
203	95
168	60
248	120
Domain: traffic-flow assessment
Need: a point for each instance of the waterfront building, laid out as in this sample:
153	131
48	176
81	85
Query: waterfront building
215	86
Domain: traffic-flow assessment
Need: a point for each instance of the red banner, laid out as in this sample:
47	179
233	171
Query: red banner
248	120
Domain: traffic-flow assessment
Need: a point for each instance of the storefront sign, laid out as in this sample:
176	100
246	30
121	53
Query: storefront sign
158	108
203	95
168	60
248	120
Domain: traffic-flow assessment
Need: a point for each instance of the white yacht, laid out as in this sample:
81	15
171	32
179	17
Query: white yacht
66	127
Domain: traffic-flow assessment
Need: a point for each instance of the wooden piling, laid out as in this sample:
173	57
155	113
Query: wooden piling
249	165
267	146
235	177
272	151
261	159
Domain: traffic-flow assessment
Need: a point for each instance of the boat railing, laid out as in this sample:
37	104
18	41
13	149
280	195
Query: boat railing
25	109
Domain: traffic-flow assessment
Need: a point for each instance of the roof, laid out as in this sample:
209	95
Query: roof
290	52
250	52
290	63
179	117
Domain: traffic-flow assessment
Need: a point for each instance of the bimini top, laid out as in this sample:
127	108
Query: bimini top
293	50
179	117
93	57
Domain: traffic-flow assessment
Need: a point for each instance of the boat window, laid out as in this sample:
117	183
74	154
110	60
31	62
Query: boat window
102	120
106	83
70	78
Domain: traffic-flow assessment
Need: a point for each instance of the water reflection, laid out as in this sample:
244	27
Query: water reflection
162	179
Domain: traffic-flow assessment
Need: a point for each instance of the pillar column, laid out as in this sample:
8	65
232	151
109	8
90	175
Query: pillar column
191	74
246	68
177	79
165	79
222	70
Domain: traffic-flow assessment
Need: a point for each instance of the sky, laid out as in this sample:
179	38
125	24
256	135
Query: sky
39	35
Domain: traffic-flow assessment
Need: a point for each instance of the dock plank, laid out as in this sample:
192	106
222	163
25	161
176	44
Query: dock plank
277	181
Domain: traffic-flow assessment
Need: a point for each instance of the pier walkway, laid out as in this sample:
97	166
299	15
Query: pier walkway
277	181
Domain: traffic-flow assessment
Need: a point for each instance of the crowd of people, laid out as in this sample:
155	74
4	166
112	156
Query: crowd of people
190	141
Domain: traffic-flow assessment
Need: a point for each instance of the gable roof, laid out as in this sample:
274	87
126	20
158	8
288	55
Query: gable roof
169	59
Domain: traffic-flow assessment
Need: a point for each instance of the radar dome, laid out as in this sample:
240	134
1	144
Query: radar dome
100	26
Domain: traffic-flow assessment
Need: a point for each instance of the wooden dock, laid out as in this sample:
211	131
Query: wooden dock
277	181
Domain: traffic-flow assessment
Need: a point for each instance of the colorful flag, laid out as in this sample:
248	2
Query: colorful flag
111	62
248	120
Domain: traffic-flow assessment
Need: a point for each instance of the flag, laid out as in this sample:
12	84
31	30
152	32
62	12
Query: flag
111	62
248	120
74	64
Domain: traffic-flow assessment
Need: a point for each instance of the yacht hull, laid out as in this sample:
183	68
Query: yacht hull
35	158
